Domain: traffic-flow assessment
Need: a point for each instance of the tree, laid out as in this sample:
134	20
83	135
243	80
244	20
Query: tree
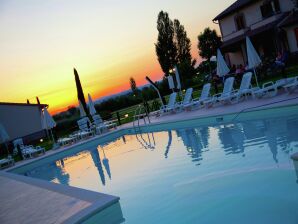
185	64
182	43
133	86
208	44
165	48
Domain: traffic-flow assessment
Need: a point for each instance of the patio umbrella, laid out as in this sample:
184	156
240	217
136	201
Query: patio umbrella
82	111
252	57
48	122
222	68
177	78
4	137
91	105
171	82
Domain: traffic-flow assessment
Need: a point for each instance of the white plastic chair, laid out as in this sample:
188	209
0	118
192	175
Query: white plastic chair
171	106
290	88
205	95
245	87
28	151
225	96
187	98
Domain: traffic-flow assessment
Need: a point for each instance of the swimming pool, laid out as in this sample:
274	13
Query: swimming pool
236	171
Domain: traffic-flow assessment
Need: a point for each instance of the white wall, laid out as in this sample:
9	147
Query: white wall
236	58
286	5
292	38
20	120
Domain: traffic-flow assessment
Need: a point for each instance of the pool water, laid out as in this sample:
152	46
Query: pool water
238	172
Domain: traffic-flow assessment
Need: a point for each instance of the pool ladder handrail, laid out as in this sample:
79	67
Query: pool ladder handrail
138	115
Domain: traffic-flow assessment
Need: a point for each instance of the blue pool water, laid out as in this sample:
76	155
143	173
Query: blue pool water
237	172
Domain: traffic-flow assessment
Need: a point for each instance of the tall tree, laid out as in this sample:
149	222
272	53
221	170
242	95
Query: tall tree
208	44
165	48
184	60
182	43
133	86
80	92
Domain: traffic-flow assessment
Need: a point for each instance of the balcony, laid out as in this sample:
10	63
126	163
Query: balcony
235	34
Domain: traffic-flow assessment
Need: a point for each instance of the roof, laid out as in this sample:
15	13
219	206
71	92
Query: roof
234	7
291	19
23	104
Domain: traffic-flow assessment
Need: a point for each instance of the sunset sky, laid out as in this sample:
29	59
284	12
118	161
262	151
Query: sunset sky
107	41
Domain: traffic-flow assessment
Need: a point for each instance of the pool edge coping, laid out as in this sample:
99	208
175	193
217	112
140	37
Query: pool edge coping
99	201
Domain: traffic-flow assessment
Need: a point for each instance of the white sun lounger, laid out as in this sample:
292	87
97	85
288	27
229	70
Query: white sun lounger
186	100
171	106
245	87
290	87
85	125
102	126
7	162
226	96
28	151
270	89
205	95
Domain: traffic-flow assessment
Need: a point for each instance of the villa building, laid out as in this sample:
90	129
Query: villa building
22	120
272	25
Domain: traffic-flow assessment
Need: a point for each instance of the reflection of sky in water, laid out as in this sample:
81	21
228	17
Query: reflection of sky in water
236	170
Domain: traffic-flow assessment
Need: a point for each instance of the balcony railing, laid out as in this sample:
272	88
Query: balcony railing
253	26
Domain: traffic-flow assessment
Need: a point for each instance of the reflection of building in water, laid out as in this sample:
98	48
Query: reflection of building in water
193	141
97	162
55	172
232	138
169	144
295	162
277	133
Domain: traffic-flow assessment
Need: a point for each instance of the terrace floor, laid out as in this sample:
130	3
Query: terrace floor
27	200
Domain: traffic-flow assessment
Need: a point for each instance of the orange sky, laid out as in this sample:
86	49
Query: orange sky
106	41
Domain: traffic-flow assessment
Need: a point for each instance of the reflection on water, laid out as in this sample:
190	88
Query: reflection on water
146	170
169	144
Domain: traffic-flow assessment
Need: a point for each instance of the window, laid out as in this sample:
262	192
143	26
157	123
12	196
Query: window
296	35
270	8
240	22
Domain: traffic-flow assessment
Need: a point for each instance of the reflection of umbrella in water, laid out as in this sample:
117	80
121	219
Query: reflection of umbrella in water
105	162
96	160
169	144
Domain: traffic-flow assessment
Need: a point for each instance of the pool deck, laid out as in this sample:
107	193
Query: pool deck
283	99
64	204
28	200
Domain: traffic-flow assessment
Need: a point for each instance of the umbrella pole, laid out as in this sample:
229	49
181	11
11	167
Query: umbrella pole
255	73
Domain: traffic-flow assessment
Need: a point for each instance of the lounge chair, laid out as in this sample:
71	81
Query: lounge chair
269	89
171	106
102	126
67	140
205	95
245	87
85	126
290	87
226	96
27	151
7	162
186	100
